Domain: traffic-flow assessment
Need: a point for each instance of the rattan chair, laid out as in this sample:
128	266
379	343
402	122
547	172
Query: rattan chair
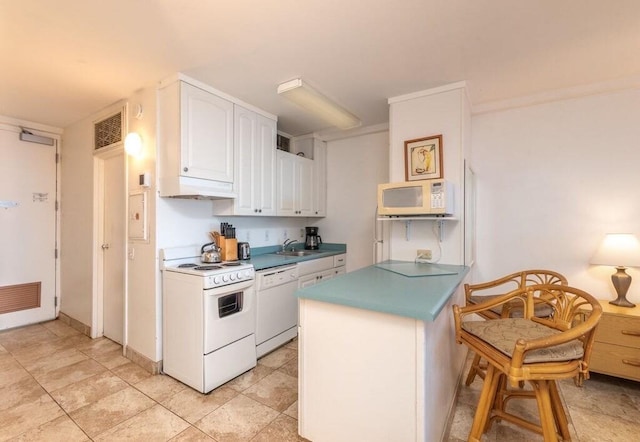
536	350
482	292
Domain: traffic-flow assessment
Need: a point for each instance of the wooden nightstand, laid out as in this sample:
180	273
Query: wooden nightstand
616	350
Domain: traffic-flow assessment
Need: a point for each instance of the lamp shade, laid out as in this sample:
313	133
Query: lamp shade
618	249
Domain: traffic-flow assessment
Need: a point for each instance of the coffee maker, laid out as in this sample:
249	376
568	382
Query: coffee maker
313	240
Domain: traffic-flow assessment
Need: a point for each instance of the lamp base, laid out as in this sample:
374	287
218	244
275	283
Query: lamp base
622	302
621	282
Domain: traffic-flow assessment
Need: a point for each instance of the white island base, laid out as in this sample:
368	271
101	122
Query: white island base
371	376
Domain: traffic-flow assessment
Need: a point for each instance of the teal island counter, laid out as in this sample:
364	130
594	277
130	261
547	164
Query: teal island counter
377	354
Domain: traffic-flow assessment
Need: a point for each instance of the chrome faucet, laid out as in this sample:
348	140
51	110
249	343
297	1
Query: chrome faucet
288	242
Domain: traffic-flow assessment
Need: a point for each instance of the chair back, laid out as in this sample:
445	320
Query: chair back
509	283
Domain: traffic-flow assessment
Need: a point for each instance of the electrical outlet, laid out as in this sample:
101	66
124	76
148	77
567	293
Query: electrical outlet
248	235
286	234
266	235
424	254
301	233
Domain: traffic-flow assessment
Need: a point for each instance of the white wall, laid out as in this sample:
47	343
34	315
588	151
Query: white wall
143	317
355	166
552	179
77	218
437	111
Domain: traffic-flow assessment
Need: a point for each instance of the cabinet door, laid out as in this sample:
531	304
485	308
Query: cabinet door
255	141
206	135
327	274
244	140
304	179
264	185
315	278
320	178
307	281
286	183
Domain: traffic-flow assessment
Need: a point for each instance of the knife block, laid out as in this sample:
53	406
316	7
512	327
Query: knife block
228	248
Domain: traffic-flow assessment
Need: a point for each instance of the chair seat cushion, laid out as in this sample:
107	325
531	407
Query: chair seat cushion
503	334
540	309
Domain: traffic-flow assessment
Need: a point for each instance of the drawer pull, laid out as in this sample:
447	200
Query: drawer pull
629	362
630	332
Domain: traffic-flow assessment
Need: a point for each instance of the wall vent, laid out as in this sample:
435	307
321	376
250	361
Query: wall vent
108	132
19	297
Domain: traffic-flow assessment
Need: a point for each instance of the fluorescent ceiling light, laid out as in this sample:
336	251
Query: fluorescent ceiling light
313	101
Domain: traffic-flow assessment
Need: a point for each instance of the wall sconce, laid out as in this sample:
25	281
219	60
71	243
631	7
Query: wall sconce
313	101
619	250
133	144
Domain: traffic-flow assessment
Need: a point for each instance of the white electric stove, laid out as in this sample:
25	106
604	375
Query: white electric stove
209	318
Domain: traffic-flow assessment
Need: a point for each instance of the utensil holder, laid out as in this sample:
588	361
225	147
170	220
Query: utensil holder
228	248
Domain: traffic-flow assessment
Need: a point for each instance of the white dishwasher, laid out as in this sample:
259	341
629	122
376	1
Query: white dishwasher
276	307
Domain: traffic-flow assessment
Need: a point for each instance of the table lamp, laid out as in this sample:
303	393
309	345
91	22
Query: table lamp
621	250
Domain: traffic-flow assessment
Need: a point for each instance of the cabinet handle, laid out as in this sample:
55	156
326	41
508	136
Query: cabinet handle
630	362
255	210
185	169
630	332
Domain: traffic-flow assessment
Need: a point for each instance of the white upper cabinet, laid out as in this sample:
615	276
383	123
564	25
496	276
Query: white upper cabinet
320	178
312	183
265	185
207	135
255	148
295	185
195	142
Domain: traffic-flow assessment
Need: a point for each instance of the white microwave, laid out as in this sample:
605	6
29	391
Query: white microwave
415	198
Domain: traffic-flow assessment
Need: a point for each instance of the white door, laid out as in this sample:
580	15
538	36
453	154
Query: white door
28	175
113	247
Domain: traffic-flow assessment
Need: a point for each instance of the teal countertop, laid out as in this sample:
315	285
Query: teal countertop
265	257
401	288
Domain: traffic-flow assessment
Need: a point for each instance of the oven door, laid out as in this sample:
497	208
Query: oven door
229	315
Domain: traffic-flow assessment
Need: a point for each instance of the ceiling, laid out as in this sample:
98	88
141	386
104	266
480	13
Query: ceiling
64	60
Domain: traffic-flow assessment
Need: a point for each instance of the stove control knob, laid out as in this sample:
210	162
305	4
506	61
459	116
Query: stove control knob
225	278
232	276
239	274
216	280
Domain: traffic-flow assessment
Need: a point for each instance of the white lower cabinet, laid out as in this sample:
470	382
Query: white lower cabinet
318	270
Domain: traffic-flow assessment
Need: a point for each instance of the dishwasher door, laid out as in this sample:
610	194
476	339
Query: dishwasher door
276	308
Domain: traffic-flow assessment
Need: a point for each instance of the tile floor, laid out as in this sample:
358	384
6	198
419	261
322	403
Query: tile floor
59	385
56	384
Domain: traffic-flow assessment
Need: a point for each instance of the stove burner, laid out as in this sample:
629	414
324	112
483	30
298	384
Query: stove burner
232	264
183	266
207	268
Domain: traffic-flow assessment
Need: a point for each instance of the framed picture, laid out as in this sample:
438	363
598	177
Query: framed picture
423	158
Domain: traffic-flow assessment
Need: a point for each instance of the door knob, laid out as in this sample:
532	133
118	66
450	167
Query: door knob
105	246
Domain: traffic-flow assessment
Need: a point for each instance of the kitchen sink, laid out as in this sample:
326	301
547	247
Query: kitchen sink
298	252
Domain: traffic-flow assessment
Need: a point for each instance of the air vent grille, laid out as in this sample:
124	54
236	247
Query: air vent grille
108	131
